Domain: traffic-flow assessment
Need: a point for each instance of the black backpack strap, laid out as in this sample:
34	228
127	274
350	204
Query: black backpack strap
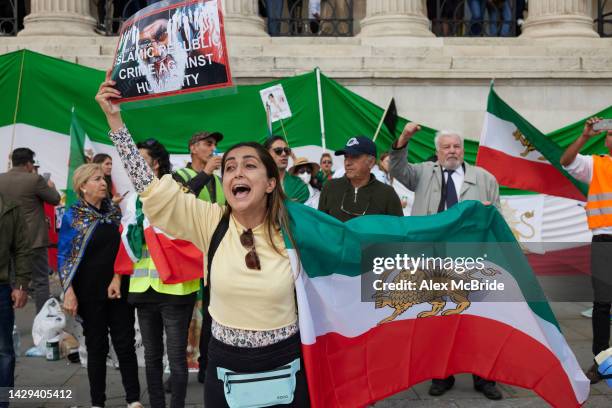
217	236
205	333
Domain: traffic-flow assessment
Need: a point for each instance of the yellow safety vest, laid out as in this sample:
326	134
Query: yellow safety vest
187	174
145	276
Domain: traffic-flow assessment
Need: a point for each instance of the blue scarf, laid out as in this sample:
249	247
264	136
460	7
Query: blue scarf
78	225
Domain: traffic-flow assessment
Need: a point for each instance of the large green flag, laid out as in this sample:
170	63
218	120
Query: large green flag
77	155
37	92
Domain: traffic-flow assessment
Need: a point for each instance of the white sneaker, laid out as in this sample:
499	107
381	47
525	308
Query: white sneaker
589	314
135	404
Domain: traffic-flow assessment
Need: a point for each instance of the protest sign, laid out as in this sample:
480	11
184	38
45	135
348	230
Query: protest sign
275	103
172	47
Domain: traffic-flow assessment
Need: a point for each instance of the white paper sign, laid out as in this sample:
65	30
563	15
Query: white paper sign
275	103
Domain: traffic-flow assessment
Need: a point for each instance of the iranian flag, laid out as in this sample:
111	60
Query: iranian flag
358	352
176	260
522	157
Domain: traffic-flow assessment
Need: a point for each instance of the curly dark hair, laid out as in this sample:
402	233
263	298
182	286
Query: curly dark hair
158	153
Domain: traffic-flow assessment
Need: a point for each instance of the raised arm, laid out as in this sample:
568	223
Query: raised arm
165	205
137	169
399	168
572	151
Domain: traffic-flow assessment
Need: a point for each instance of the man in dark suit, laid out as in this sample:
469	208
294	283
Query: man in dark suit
30	191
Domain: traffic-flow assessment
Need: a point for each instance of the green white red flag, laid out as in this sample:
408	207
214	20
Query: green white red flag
522	157
353	358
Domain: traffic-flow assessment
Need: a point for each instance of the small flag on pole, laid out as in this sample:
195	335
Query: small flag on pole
389	118
77	155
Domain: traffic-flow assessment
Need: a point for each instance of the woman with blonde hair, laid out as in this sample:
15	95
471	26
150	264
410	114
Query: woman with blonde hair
255	339
88	243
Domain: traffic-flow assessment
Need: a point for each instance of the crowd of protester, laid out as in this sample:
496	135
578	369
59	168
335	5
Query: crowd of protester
231	208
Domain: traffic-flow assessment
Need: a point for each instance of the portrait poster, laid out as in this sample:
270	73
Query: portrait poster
170	48
275	103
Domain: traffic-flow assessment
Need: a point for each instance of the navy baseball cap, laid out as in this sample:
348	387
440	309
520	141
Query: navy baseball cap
358	145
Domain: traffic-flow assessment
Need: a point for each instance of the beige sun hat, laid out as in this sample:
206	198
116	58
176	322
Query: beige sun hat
300	161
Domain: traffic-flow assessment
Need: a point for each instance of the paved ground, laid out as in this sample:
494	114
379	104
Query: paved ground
37	372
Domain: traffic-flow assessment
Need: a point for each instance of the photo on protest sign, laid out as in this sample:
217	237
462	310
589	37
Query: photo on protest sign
275	103
172	47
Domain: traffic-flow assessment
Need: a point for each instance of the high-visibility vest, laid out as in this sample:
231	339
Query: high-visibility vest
187	174
599	203
145	276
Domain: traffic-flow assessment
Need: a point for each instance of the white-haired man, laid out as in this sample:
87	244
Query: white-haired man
434	192
438	186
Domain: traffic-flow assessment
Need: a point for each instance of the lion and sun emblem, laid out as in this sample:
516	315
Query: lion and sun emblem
402	300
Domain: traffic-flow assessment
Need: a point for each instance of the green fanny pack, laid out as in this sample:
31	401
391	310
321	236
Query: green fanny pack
261	389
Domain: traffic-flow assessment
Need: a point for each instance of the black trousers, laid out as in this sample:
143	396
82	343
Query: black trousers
250	360
154	318
601	279
478	381
205	332
98	318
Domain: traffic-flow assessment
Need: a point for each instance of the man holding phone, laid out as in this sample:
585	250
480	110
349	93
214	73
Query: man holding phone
596	170
198	176
30	191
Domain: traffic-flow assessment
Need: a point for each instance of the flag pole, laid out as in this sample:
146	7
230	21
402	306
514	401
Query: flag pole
284	133
16	109
321	118
382	119
268	120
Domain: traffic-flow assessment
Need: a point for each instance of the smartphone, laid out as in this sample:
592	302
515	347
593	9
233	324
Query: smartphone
46	176
604	124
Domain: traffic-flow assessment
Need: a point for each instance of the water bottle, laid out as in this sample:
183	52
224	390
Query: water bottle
16	340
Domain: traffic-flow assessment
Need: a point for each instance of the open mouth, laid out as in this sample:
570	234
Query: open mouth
241	190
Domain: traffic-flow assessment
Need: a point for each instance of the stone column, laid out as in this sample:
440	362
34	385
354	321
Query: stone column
393	18
241	18
559	18
59	17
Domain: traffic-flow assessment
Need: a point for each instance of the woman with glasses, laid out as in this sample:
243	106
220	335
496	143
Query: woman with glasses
307	172
252	289
161	306
88	244
294	188
326	172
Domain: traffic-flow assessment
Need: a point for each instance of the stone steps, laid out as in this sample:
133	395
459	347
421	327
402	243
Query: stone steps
356	57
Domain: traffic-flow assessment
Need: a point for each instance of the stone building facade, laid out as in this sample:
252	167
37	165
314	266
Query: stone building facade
556	72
